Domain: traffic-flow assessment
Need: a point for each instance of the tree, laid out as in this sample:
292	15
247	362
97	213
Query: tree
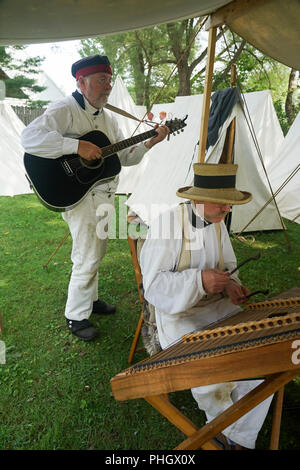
146	59
21	84
292	104
140	57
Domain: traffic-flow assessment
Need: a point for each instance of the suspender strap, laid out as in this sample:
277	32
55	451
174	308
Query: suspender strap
185	254
218	233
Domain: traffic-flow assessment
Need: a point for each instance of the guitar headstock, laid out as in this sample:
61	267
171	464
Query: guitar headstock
175	125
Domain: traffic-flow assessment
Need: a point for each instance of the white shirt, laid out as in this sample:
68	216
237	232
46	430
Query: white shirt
173	293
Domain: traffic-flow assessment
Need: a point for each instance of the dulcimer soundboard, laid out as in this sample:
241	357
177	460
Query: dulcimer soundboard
260	340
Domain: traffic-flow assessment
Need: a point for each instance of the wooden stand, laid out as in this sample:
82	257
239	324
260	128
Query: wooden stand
272	361
272	384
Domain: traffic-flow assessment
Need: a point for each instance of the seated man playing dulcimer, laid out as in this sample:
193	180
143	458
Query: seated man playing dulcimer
186	262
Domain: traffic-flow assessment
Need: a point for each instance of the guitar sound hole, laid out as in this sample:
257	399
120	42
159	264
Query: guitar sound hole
91	164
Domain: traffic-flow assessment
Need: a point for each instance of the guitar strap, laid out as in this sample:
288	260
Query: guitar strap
79	98
123	113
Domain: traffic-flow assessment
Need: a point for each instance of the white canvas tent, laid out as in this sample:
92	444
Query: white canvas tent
51	93
12	174
169	165
287	163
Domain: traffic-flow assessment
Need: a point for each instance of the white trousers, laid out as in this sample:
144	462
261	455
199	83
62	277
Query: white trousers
214	399
87	250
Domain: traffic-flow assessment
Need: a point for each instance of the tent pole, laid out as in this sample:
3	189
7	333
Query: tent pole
207	93
232	125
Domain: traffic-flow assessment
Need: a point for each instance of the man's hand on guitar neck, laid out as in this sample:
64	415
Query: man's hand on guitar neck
88	150
162	132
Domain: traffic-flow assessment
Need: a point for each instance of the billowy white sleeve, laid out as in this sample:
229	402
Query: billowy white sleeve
44	136
169	291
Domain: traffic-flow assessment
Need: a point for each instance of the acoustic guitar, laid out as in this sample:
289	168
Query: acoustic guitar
61	183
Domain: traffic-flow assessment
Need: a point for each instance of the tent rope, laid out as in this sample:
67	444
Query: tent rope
286	181
256	144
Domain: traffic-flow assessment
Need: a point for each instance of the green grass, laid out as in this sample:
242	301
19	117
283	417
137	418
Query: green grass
54	389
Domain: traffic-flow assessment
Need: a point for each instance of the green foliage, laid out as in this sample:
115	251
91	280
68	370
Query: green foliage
282	117
55	390
21	84
146	58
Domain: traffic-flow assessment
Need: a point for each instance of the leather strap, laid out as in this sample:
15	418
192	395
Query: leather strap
185	256
120	111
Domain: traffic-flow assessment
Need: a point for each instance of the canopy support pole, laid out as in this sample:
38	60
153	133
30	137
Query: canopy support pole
207	93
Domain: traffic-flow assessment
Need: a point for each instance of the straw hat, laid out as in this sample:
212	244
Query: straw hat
215	182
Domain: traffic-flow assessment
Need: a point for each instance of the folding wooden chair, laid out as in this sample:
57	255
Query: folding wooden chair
138	276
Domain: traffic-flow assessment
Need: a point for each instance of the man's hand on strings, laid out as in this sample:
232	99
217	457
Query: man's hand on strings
236	292
162	132
88	150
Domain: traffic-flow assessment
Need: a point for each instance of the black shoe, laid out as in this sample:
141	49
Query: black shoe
102	308
83	329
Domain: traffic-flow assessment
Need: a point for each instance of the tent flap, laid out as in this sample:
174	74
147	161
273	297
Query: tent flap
12	172
46	21
270	25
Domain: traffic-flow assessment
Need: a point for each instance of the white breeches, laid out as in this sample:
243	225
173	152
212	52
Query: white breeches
214	399
87	251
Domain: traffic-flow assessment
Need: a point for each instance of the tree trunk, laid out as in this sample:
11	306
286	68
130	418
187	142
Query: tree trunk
290	109
138	68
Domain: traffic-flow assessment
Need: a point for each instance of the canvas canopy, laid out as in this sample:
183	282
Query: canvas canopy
270	25
12	174
170	165
285	165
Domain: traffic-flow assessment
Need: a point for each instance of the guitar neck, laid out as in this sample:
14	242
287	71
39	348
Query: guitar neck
124	144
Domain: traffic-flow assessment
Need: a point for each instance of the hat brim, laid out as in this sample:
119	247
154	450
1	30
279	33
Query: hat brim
230	196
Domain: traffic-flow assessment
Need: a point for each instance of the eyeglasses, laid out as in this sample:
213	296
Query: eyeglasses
105	81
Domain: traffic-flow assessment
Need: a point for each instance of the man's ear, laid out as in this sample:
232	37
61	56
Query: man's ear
81	81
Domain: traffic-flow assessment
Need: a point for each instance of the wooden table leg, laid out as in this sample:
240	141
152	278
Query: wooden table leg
238	409
162	404
277	413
